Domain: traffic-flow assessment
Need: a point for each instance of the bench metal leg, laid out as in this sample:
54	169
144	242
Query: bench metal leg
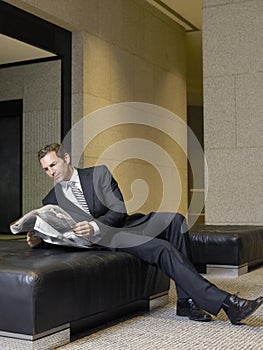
158	300
45	341
226	270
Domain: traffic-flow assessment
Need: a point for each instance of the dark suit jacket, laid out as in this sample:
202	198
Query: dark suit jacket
104	200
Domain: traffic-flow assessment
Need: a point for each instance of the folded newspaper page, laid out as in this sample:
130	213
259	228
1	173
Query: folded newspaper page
52	224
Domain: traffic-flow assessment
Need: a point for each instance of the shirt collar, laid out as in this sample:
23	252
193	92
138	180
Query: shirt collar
74	178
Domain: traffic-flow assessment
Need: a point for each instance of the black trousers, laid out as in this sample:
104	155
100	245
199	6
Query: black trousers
164	241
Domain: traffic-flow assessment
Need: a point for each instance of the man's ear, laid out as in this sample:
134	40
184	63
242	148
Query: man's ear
67	158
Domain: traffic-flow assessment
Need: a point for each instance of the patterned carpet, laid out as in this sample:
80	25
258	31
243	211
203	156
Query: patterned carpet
163	330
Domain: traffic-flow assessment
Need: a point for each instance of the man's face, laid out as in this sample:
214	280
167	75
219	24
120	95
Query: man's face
57	168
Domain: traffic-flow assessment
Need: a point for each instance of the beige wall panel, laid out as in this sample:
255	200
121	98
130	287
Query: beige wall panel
96	67
127	170
183	206
164	44
145	195
118	133
79	15
231	37
121	75
146	188
249	108
132	78
170	92
110	21
219	114
175	49
194	68
133	28
93	103
128	52
235	186
154	38
143	81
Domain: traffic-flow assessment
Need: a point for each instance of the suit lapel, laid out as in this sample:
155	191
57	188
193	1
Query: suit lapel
86	180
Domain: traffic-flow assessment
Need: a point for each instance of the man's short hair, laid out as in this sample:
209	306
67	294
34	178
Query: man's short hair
53	147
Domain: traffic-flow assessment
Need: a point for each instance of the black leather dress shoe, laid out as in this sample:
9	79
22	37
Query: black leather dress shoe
187	308
238	309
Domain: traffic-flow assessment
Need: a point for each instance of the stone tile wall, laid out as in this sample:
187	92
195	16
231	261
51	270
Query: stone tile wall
233	106
39	86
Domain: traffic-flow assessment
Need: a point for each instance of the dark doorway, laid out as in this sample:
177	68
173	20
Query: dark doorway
37	32
11	162
196	185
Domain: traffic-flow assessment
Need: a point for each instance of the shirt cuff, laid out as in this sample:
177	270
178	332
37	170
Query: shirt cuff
95	227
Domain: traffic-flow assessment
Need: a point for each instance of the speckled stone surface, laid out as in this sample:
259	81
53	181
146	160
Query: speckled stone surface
233	86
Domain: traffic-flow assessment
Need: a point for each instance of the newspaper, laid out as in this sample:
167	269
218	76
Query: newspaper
52	224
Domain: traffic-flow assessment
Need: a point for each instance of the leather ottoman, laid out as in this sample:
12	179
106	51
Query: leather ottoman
51	295
226	249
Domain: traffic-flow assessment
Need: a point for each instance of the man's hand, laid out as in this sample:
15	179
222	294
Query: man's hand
83	229
32	240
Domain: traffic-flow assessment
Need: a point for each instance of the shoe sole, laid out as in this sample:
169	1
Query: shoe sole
194	319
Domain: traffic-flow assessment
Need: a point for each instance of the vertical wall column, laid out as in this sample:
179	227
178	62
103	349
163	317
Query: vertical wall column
233	105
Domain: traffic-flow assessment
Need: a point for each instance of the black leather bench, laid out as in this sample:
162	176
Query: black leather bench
51	295
226	249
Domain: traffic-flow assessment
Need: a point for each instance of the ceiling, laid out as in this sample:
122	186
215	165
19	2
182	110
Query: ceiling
13	50
188	13
185	12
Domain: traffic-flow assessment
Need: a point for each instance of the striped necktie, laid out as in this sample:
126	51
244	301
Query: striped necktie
79	196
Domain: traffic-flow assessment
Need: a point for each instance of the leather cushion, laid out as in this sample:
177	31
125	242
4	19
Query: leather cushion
43	288
226	244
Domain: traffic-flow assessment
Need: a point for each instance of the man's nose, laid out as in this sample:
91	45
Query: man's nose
51	172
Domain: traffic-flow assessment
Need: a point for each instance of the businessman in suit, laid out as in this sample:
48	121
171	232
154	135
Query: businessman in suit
157	238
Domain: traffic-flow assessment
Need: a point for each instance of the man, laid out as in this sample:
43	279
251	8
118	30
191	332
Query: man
157	238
